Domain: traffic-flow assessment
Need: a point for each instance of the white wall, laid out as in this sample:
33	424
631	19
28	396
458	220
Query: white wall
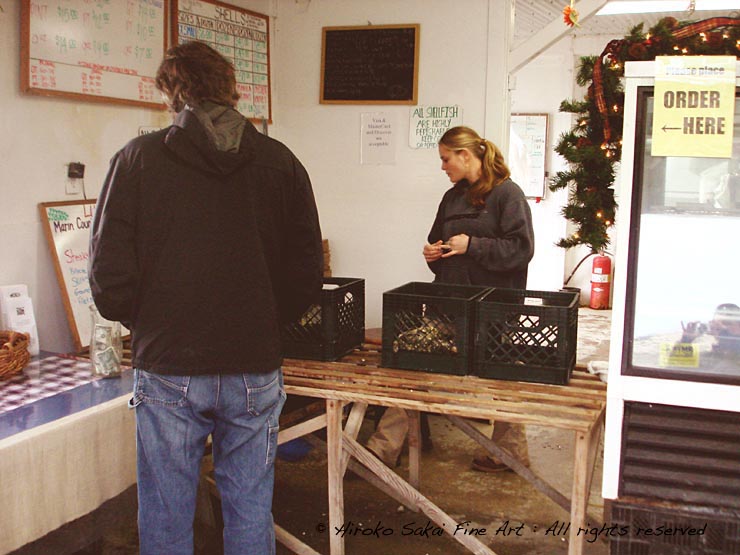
554	68
376	217
40	135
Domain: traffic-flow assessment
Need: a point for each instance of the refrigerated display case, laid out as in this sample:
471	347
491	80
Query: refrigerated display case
672	442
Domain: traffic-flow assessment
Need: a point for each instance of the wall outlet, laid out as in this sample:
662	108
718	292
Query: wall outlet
73	186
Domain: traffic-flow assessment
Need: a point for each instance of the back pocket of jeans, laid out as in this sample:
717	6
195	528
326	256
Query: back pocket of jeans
160	389
263	392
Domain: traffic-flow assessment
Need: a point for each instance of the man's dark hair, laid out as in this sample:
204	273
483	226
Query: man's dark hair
193	72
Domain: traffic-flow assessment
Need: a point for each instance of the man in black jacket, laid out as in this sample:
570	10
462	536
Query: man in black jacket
205	240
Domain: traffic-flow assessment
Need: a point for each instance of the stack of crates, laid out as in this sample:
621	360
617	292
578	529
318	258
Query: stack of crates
507	334
429	326
332	328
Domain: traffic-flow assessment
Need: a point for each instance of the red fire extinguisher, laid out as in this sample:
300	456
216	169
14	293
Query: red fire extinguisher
600	286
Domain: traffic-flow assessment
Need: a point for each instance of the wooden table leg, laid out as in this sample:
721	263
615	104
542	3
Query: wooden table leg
587	444
352	428
414	437
336	487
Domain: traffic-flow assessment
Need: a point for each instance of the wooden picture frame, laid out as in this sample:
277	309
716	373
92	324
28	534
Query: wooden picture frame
533	130
75	49
371	64
242	36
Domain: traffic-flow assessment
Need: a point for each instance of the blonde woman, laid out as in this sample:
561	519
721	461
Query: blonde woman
482	235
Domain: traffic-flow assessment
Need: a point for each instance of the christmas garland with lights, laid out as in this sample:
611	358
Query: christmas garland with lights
593	146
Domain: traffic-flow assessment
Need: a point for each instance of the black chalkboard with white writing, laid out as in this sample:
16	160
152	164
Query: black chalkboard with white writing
374	64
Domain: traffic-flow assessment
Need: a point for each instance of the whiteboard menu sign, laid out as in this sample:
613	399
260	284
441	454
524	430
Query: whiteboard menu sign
242	36
67	229
102	50
527	149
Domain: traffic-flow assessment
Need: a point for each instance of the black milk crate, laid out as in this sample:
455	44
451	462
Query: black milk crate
527	336
429	327
334	327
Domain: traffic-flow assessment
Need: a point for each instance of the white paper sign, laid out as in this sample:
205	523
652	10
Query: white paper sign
694	106
378	141
428	123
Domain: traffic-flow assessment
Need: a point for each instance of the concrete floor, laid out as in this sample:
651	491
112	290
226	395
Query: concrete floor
499	502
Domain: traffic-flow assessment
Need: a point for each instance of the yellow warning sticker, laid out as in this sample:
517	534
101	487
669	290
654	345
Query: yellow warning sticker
682	355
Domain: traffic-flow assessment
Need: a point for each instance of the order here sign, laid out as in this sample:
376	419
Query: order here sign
694	106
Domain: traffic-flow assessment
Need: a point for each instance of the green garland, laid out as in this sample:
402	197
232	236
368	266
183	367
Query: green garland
593	146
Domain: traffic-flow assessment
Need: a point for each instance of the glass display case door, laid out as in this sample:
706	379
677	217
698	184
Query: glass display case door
682	313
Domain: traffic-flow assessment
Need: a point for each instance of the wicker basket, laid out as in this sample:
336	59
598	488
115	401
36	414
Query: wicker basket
14	353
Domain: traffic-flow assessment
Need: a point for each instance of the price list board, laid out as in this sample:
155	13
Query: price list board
101	50
242	36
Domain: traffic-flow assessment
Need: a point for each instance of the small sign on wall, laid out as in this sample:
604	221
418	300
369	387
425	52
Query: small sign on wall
378	138
428	123
527	152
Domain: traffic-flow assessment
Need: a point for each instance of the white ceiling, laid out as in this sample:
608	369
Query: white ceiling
533	15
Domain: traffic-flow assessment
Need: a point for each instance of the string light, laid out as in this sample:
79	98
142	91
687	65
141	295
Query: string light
615	107
685	50
599	214
608	222
703	37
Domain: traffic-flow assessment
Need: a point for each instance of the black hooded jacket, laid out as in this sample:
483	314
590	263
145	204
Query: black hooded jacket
203	253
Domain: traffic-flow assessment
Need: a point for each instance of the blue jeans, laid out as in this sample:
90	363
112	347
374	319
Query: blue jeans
174	416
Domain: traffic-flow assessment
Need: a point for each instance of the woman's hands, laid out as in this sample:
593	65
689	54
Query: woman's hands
458	244
432	252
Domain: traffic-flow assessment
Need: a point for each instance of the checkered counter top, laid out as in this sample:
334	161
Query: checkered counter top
43	378
53	387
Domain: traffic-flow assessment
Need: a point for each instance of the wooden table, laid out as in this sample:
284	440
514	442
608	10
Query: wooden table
359	380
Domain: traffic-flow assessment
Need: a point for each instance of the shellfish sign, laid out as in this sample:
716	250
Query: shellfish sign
694	106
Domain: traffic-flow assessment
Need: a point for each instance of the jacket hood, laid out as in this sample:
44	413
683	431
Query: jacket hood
213	138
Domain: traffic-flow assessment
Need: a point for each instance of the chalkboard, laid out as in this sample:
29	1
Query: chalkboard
531	129
374	64
242	36
101	50
67	229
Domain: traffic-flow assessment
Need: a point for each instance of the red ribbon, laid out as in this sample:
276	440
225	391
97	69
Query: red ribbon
613	47
706	25
598	90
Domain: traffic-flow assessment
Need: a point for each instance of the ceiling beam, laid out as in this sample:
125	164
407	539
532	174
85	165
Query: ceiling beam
549	35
